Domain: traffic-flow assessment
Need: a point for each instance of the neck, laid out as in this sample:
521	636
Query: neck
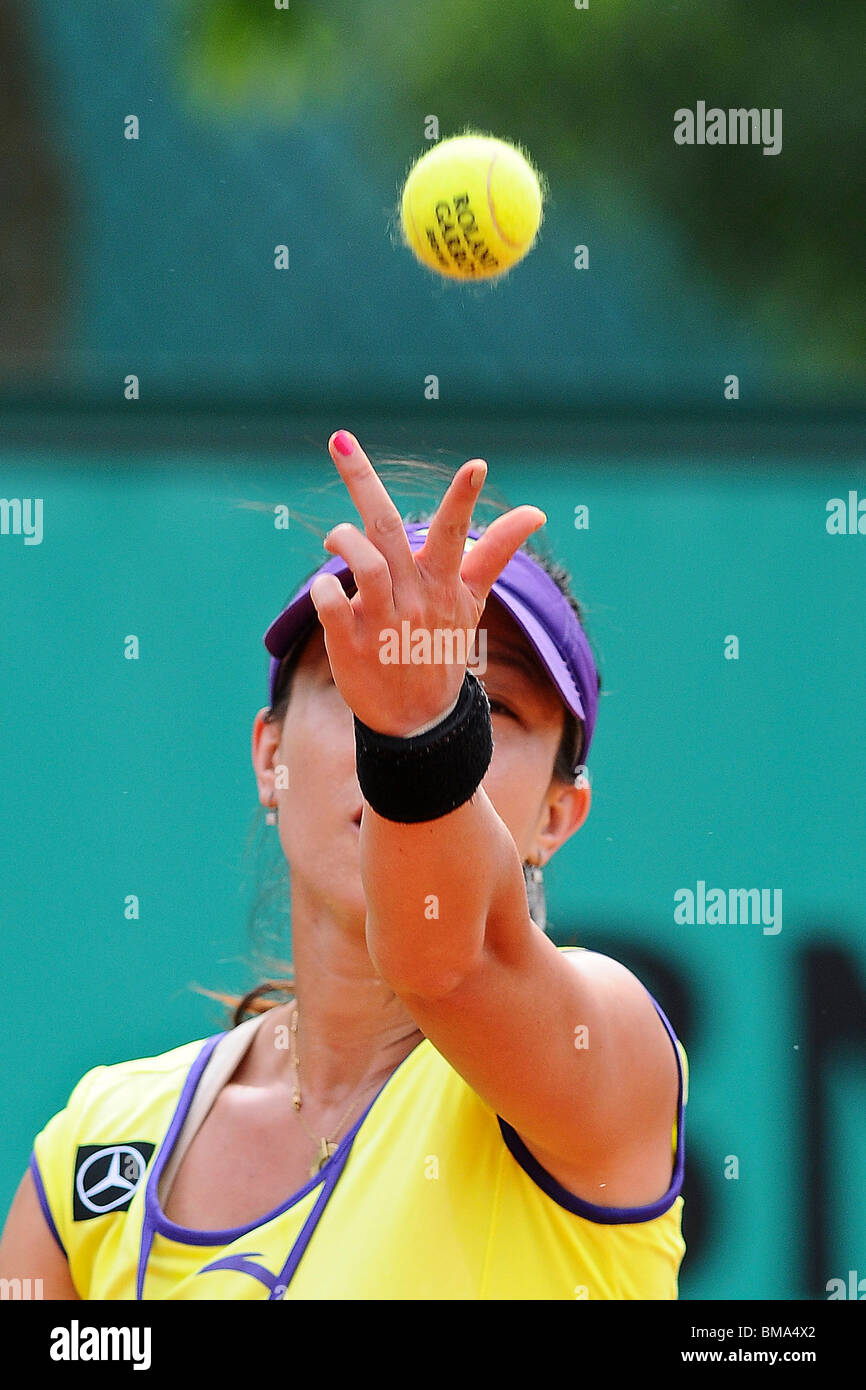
352	1029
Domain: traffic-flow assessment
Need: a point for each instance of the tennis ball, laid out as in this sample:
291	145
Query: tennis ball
471	207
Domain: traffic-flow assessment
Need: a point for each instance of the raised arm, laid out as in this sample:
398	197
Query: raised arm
568	1048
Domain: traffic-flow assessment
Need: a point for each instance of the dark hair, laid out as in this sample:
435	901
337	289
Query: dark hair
568	757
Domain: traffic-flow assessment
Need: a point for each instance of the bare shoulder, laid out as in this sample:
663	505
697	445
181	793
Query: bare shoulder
634	1169
596	965
613	983
633	1025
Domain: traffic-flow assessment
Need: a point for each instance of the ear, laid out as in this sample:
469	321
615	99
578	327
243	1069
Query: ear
265	742
565	810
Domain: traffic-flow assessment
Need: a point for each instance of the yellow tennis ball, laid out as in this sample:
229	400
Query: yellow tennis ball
471	207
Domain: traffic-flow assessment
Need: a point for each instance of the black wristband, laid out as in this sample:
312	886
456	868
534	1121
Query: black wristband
422	778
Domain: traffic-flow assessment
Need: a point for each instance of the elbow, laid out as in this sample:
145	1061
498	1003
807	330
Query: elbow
430	974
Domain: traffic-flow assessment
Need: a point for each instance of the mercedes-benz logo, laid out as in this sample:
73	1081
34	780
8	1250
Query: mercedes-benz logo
102	1189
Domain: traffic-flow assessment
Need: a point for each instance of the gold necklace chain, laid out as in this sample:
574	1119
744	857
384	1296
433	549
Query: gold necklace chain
324	1147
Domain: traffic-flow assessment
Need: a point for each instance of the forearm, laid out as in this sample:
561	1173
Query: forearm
439	893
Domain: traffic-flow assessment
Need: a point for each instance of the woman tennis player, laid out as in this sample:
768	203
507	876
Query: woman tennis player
450	1106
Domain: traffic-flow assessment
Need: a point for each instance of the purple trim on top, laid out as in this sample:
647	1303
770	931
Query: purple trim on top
156	1221
333	1170
244	1264
149	1224
43	1201
328	1176
606	1216
187	1235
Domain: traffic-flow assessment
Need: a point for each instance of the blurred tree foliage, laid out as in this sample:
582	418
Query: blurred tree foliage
244	57
591	95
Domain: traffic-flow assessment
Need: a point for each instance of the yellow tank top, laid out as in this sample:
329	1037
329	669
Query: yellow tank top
430	1195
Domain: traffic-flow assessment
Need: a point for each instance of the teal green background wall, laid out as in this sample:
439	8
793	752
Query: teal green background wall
607	386
133	777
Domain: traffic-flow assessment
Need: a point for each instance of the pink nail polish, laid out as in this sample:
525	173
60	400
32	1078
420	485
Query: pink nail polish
343	442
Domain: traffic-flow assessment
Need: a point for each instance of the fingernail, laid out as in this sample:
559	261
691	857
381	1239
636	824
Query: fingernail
476	477
343	442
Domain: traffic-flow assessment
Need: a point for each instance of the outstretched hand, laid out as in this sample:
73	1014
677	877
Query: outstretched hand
437	587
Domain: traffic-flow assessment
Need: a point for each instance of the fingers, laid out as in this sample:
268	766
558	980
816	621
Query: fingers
333	607
382	560
368	565
483	564
382	521
446	537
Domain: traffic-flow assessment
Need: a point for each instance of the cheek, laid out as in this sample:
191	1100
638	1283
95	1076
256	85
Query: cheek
318	752
310	768
518	778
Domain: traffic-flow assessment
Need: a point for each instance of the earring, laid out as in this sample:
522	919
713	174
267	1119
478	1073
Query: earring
581	776
271	816
534	880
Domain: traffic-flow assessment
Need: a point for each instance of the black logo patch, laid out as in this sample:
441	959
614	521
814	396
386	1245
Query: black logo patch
107	1176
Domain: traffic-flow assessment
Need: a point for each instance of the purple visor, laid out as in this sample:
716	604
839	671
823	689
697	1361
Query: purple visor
526	592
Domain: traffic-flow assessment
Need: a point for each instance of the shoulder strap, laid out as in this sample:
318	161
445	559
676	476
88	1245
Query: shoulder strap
223	1061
